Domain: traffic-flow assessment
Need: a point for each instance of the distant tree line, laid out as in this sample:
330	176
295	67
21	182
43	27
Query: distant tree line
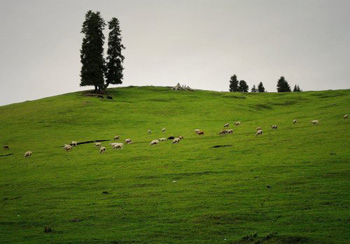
242	86
95	70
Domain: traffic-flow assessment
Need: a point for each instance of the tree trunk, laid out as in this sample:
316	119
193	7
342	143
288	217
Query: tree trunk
95	89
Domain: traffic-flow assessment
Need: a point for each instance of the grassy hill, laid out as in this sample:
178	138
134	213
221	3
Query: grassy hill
290	185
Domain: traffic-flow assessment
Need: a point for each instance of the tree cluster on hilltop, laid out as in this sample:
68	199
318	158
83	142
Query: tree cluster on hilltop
242	86
95	70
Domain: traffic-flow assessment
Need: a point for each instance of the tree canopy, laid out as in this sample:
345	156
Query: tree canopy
234	84
261	87
282	85
243	87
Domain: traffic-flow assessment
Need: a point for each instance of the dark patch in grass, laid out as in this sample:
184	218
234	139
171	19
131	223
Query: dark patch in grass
262	106
105	192
237	97
328	95
217	146
86	142
144	185
286	103
5	155
272	238
180	175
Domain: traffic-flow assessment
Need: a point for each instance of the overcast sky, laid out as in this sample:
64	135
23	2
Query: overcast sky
200	43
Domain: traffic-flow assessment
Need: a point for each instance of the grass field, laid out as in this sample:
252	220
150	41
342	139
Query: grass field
290	185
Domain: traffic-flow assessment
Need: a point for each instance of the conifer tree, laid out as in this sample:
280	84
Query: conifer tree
254	89
243	87
234	84
261	87
282	85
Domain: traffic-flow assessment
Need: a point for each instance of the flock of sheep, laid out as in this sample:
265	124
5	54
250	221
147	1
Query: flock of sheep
175	140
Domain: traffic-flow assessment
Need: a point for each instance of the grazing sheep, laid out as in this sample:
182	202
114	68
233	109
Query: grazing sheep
116	138
274	127
294	121
258	128
163	130
128	141
28	154
237	123
259	132
197	130
230	131
154	142
149	131
171	137
346	116
5	147
67	147
200	133
176	140
74	143
102	149
162	139
117	145
181	137
226	125
98	144
223	132
315	122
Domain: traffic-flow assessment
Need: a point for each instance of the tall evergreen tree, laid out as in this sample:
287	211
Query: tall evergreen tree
91	53
261	87
282	85
243	87
254	89
114	67
234	84
296	88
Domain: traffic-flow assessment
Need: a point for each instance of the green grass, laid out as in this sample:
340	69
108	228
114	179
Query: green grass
290	185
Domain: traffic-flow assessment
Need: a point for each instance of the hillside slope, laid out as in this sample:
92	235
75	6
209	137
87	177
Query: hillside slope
290	185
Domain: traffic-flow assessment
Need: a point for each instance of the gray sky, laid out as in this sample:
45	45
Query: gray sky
200	43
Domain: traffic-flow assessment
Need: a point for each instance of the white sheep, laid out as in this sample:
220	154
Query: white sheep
229	131
226	125
237	123
274	127
197	130
67	147
28	154
154	142
346	116
181	137
162	139
74	143
98	144
102	149
315	122
259	132
294	121
176	140
117	145
116	138
163	130
128	141
258	128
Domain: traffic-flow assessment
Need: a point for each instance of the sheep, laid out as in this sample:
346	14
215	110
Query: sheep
294	121
5	147
259	132
237	123
163	130
67	147
176	140
197	130
230	131
74	143
258	128
226	125
171	138
28	154
162	139
98	144
223	132
181	137
102	149
116	138
346	116
315	122
117	145
200	133
154	142
149	131
274	127
128	141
